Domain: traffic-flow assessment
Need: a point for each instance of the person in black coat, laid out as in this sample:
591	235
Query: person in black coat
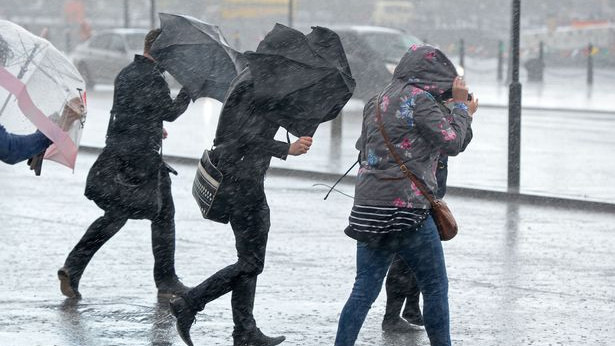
244	146
15	148
401	285
132	161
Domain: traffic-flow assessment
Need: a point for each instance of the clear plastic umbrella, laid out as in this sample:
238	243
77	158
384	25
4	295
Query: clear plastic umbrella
40	88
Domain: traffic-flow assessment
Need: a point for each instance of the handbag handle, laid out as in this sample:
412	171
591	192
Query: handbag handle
398	159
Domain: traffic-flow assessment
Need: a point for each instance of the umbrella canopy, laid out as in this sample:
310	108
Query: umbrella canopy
39	86
197	55
300	81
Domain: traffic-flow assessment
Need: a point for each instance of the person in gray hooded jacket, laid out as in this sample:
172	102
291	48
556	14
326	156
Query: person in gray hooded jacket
390	215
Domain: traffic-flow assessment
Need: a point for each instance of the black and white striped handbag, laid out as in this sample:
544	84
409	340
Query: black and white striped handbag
205	188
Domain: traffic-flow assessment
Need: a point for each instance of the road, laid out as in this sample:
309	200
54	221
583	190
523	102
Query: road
564	154
519	274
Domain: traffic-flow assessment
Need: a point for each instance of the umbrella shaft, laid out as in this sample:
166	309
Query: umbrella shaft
24	68
6	102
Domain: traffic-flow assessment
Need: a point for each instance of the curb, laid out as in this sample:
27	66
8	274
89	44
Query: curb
492	195
477	193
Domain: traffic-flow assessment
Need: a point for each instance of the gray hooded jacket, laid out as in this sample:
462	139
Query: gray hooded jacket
418	127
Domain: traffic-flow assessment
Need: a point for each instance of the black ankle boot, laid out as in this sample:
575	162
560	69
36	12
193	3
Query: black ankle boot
396	325
412	314
256	338
171	287
185	318
417	320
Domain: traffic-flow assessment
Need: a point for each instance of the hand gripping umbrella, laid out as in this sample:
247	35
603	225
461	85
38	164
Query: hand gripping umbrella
197	55
40	87
300	81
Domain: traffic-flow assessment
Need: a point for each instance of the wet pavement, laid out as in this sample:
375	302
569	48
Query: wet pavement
563	154
563	87
519	274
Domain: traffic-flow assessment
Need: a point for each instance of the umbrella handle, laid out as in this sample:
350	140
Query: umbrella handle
36	163
5	103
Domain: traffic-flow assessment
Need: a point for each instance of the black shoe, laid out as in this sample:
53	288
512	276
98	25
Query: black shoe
171	287
397	325
256	338
185	318
417	320
412	313
68	284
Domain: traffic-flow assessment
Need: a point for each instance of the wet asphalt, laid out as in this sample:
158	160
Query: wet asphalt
519	274
563	153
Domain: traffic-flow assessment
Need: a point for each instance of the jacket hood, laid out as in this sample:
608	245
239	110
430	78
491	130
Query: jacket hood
427	68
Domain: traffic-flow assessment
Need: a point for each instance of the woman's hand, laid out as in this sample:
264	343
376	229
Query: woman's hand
460	90
73	111
460	95
300	146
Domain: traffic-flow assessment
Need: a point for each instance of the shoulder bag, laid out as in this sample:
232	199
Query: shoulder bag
205	189
130	185
443	217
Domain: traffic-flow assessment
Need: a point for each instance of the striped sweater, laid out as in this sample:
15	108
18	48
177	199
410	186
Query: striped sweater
382	220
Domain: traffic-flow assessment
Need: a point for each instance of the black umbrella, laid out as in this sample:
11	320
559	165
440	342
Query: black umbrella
300	81
326	43
197	55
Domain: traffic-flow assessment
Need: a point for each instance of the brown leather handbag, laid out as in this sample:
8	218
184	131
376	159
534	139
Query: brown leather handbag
442	215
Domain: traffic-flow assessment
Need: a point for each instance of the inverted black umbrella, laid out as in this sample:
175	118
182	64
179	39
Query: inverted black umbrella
327	44
197	55
300	81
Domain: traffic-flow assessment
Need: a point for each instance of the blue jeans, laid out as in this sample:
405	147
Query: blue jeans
423	253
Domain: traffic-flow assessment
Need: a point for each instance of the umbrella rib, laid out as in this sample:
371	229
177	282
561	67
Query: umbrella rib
49	75
56	70
22	44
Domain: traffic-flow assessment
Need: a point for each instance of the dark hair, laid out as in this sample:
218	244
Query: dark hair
150	38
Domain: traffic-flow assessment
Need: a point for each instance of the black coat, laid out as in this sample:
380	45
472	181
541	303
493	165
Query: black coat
244	138
141	102
126	175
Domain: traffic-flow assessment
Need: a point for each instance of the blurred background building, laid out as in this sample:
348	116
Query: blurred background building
566	26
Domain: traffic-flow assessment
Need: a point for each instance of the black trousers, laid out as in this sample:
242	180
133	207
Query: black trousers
105	227
401	286
249	218
401	283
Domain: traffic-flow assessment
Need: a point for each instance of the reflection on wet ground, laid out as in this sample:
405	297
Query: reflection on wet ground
82	323
72	326
163	326
518	274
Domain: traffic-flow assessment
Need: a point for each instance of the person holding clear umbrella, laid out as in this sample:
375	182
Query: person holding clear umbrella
15	148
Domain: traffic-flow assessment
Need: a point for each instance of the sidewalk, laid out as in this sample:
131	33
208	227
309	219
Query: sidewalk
564	154
519	274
